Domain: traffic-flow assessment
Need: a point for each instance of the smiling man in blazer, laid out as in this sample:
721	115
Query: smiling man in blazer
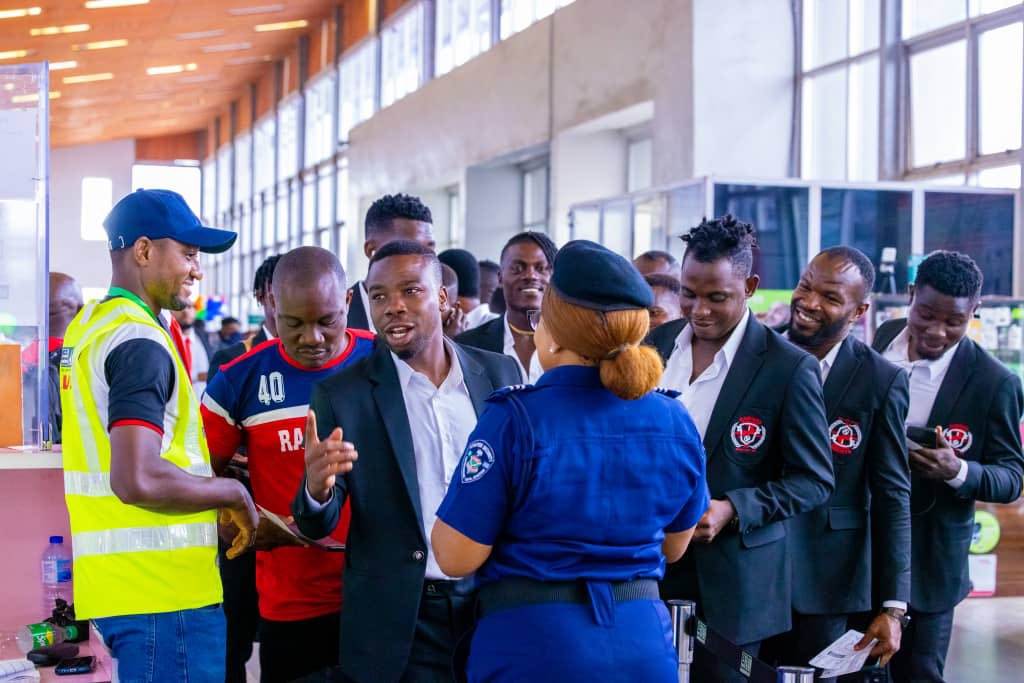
757	401
405	412
973	403
866	521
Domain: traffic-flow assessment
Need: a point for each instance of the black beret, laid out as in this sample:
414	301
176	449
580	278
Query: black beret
466	267
591	276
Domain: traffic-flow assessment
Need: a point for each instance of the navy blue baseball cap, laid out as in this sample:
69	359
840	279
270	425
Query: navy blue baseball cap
161	214
594	277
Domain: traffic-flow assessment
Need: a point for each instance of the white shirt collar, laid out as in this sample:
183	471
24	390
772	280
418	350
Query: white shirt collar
829	361
267	333
531	374
406	373
365	297
899	351
728	351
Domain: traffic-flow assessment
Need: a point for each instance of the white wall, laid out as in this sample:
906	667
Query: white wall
494	208
86	261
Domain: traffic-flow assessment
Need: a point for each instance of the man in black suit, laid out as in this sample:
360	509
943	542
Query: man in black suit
973	405
409	409
527	261
867	518
392	217
757	401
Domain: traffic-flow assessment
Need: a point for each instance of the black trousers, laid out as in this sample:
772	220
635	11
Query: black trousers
293	649
241	609
445	618
922	655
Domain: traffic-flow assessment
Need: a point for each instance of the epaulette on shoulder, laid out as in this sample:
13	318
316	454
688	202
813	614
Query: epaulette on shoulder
671	393
504	392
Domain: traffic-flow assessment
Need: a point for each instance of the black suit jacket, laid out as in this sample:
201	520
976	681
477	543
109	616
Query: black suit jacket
229	353
744	577
358	317
982	400
868	515
490	336
386	557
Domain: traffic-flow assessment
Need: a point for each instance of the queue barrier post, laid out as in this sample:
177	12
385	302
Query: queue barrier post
796	674
682	613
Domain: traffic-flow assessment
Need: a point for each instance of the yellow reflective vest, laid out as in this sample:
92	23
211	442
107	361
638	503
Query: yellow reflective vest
129	560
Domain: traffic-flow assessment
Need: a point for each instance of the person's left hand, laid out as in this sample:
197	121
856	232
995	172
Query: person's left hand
887	631
940	463
717	517
455	323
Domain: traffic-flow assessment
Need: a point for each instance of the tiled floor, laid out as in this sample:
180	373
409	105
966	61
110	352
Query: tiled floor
987	645
988	642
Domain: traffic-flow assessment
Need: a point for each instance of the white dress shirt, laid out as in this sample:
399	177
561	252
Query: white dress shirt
826	363
480	315
440	422
536	370
701	396
925	381
365	298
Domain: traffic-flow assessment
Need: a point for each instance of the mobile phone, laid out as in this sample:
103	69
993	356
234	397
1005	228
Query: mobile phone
923	437
75	665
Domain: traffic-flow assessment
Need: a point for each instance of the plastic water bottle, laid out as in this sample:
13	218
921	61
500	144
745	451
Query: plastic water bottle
43	634
56	572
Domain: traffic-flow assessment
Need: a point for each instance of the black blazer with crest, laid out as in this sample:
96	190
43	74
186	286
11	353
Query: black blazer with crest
979	403
867	517
385	561
490	336
767	452
358	317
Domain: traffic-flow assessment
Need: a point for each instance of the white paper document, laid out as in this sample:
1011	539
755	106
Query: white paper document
17	670
840	658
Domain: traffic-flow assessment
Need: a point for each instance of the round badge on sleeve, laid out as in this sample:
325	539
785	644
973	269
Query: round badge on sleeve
477	461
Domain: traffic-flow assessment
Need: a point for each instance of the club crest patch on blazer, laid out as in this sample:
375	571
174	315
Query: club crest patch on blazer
844	435
959	437
748	433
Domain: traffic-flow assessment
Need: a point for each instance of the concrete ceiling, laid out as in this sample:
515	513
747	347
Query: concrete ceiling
214	43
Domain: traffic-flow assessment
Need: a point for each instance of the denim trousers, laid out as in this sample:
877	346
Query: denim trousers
172	647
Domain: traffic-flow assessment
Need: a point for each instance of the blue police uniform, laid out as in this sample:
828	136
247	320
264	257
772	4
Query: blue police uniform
574	488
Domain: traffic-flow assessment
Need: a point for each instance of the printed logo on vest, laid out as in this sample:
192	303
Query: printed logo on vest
845	436
748	434
65	356
959	437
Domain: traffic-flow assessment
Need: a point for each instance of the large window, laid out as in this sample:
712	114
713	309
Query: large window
243	168
518	14
356	94
225	163
949	109
209	198
977	224
402	55
869	220
288	138
840	89
462	31
321	133
535	197
263	154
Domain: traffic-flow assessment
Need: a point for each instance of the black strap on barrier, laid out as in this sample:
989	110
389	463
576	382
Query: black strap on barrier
756	671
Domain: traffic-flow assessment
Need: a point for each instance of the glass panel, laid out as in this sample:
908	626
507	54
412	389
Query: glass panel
938	83
225	164
209	188
616	228
823	146
921	16
1000	54
586	224
518	14
264	154
649	225
535	198
869	220
402	56
825	32
288	139
1002	176
308	211
463	31
685	210
269	224
325	194
979	7
977	224
865	25
356	95
243	168
257	226
952	179
320	129
862	121
780	216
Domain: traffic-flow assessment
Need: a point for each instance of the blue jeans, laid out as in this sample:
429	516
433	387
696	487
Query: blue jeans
172	647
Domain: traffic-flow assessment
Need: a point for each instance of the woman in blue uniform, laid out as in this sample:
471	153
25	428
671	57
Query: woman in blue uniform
572	493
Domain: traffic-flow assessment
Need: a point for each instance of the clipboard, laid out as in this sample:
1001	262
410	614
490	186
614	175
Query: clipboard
329	544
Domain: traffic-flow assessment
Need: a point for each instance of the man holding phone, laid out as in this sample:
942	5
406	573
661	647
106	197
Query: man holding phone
973	405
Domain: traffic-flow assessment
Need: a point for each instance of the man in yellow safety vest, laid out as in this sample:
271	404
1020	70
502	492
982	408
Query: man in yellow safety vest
140	491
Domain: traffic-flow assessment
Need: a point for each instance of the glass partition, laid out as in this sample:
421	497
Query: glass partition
27	375
978	224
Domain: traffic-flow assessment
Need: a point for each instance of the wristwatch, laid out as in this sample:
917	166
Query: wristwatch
897	614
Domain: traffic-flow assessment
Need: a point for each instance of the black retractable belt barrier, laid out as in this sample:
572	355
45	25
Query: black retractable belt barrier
689	632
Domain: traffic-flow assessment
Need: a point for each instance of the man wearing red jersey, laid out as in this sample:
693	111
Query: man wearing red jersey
261	400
